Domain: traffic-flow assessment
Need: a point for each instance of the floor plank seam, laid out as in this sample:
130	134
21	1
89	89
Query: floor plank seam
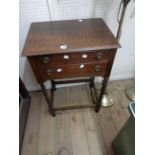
67	113
102	135
113	120
81	111
40	123
96	120
70	136
41	102
86	133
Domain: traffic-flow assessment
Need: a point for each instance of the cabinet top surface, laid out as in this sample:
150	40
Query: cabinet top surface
76	35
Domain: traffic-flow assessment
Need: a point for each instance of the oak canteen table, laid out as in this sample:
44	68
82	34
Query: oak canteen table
81	48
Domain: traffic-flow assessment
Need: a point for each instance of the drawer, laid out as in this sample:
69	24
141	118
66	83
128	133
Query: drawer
73	58
73	70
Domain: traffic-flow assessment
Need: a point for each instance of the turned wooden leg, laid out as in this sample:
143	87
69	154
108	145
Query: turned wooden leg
53	85
93	90
105	82
91	84
50	103
53	88
102	91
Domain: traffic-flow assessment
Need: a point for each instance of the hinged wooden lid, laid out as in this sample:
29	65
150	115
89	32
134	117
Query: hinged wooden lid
68	36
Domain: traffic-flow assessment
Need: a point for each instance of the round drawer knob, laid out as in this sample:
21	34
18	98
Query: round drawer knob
46	60
97	68
99	55
49	71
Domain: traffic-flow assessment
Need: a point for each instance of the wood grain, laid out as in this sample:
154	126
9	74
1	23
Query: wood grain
117	113
78	134
73	70
46	37
64	145
93	131
48	133
48	44
82	56
31	138
73	132
108	129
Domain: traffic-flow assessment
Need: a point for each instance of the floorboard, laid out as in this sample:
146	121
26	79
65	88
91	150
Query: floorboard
93	132
75	132
31	137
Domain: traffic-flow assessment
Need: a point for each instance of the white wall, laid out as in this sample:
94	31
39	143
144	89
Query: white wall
45	10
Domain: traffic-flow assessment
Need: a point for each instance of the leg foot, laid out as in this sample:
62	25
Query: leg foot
97	109
52	112
49	102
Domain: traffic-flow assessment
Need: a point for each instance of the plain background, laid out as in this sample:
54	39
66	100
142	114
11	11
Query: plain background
145	77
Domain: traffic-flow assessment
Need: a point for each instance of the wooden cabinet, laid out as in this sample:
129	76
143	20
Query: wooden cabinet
66	49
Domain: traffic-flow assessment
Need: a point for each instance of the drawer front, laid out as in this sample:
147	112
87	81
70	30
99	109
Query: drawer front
73	58
73	70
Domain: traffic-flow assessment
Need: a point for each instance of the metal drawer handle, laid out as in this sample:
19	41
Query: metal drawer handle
49	71
46	60
59	70
99	55
97	68
84	56
66	56
63	47
82	66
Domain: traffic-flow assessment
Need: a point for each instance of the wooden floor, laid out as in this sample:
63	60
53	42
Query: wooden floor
74	132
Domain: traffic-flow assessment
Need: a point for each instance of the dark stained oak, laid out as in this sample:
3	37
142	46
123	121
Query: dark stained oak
89	51
66	58
73	70
90	34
